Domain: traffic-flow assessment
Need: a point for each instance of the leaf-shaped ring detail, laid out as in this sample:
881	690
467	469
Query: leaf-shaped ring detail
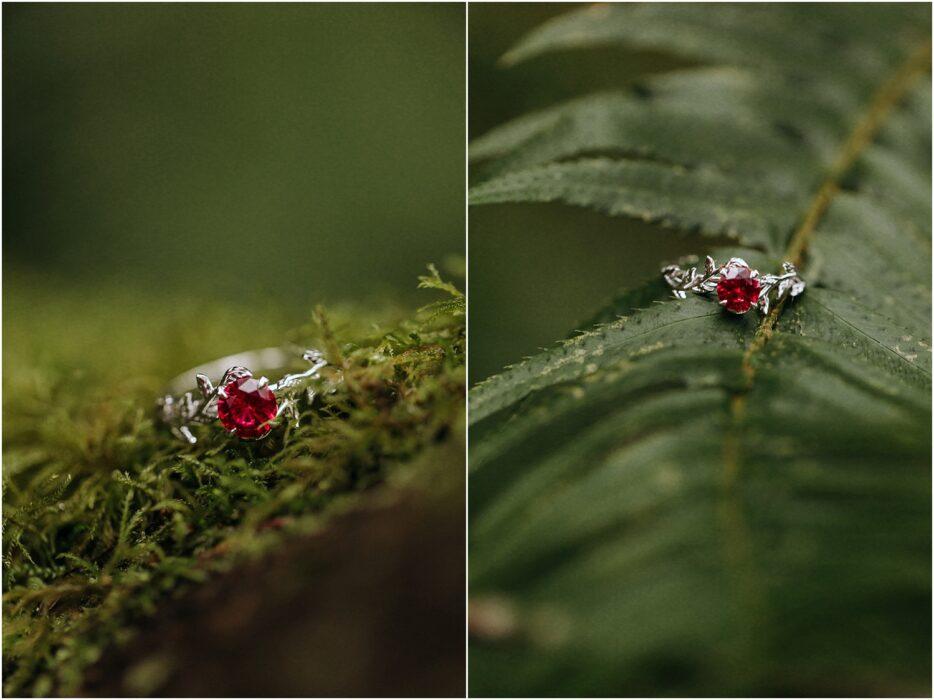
244	405
738	286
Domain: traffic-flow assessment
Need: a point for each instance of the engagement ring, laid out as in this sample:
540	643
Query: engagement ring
738	287
244	405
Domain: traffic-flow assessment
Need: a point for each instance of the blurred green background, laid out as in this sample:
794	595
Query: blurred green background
538	271
167	159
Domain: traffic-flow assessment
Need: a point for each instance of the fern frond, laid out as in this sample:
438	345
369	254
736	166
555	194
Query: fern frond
681	502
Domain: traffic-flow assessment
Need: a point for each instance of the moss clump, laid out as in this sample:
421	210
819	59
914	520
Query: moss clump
106	515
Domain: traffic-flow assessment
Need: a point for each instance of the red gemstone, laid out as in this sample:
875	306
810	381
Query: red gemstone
737	290
246	409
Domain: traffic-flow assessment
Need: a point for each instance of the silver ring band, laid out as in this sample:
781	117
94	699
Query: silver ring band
264	360
738	286
245	406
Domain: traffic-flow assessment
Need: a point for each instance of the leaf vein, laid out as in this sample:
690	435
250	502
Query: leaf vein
837	315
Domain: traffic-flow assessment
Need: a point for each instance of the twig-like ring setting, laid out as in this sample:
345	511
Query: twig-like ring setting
738	287
245	406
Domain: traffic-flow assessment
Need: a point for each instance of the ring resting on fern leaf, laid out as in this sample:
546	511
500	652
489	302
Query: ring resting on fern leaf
244	405
738	286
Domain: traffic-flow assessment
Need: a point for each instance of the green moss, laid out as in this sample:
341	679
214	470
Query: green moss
106	515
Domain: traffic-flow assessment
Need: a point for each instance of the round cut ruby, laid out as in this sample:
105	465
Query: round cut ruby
737	289
245	408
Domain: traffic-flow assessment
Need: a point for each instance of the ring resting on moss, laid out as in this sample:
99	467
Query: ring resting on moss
244	405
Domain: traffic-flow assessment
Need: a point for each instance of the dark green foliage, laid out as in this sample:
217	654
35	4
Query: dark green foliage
106	516
678	501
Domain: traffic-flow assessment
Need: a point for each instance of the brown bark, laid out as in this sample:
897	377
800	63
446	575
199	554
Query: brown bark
371	606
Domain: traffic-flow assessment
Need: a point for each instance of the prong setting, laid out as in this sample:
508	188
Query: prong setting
246	407
739	287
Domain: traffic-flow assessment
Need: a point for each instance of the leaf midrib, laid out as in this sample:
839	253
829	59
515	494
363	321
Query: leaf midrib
735	531
860	137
